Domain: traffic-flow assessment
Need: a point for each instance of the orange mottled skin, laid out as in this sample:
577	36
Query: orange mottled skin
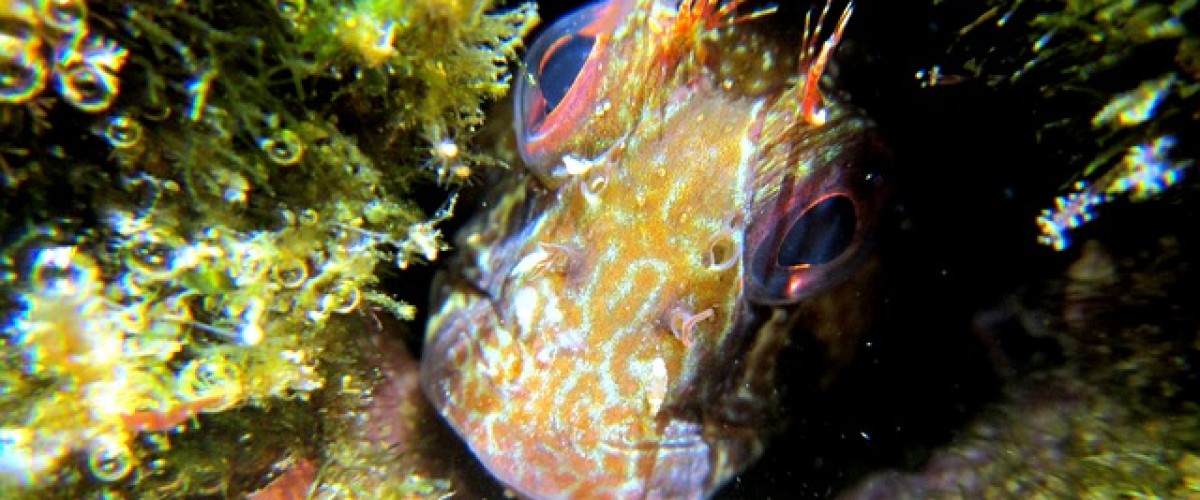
611	325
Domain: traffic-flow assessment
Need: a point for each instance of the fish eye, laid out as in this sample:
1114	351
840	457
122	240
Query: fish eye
805	248
821	233
561	65
555	77
816	229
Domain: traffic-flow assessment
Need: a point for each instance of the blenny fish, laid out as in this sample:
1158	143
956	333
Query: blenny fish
611	325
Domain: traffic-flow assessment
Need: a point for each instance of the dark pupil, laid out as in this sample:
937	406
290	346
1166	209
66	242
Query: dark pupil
561	66
820	235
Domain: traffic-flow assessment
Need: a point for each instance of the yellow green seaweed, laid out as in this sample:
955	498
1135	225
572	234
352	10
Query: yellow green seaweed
197	199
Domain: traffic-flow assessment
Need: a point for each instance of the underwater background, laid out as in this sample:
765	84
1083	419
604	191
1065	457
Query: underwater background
221	221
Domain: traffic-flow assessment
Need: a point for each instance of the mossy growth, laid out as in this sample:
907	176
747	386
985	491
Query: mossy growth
194	195
1118	85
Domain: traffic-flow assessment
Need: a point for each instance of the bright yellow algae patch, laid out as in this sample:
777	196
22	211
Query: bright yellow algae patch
196	200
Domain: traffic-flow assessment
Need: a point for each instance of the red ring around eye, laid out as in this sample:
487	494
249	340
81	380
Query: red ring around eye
561	67
559	83
806	249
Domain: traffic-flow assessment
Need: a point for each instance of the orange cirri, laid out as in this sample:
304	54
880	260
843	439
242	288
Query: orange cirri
611	325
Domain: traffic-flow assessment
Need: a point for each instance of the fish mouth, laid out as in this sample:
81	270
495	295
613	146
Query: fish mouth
682	460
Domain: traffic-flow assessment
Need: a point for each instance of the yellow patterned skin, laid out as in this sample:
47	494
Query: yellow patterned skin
611	325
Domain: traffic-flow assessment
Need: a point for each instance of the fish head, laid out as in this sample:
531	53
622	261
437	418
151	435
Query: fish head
611	325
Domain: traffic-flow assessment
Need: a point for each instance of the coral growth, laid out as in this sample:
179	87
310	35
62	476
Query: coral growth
195	196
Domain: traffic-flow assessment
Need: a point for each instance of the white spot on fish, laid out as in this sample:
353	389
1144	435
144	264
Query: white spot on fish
656	385
552	315
530	262
577	166
525	302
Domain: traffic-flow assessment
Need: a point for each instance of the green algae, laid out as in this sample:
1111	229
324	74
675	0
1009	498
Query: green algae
1118	83
197	199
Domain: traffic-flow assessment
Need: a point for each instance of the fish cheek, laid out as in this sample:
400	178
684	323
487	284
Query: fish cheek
451	353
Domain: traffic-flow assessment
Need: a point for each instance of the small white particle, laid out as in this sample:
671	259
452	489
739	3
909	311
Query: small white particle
251	334
576	166
529	262
819	117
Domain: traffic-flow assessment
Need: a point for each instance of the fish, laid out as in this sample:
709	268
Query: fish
610	324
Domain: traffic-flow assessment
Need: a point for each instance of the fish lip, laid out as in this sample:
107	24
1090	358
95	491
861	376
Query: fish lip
448	342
